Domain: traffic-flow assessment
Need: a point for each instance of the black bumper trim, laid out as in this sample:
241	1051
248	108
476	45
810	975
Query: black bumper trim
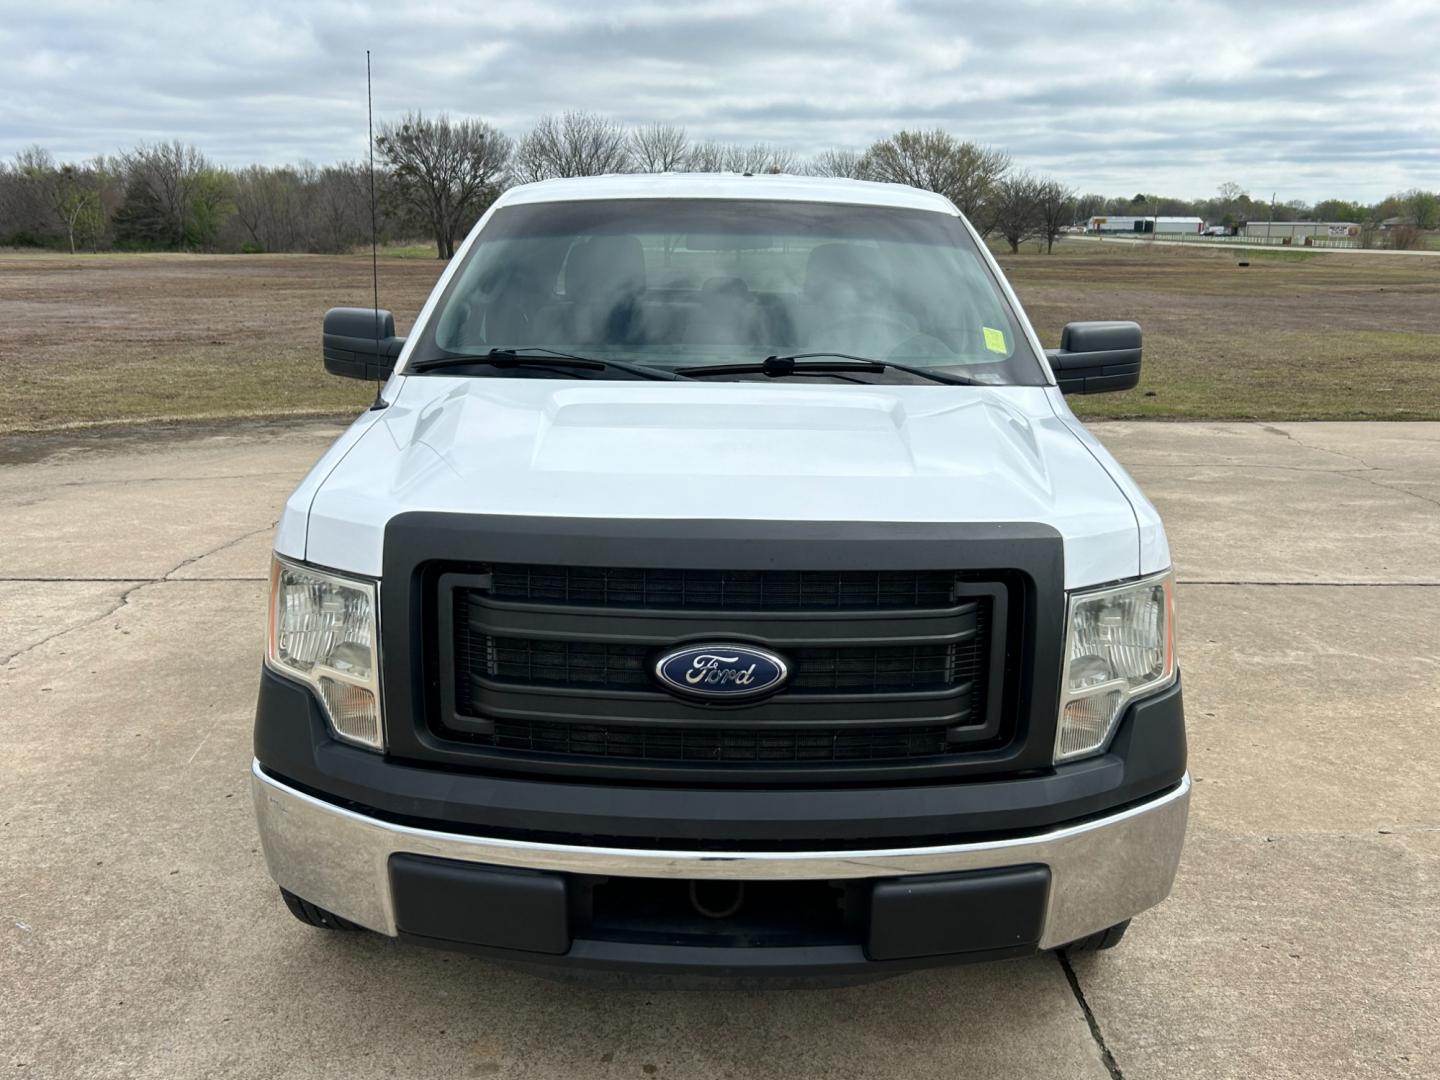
898	923
481	905
950	914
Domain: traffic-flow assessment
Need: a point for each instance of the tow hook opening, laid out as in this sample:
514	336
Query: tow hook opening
717	899
720	913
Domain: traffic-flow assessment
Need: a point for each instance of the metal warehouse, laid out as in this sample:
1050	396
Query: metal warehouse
1145	225
1292	231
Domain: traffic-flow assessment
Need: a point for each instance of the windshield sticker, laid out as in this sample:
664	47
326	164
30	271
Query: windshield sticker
995	340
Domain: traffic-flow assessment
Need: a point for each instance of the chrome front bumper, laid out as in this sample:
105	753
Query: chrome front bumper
1103	871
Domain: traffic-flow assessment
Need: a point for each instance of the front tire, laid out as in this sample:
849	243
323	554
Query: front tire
1102	939
318	917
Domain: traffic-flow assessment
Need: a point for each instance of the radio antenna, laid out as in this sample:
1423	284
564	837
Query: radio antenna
374	237
374	240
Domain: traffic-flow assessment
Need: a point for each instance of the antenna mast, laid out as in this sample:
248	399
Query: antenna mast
374	240
374	237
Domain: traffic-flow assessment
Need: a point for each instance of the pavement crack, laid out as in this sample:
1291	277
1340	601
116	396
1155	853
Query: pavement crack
124	580
134	586
1397	487
128	481
120	603
1318	449
1377	832
1242	466
1106	1057
1365	466
1313	584
216	550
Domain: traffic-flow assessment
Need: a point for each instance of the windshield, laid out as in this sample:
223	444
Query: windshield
689	283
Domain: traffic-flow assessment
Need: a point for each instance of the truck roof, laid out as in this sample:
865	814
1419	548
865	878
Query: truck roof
727	186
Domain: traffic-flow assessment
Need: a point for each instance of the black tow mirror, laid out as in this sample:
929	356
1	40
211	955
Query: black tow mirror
1097	357
358	345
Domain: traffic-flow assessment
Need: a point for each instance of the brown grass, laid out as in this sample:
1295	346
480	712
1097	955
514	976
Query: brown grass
95	339
1296	335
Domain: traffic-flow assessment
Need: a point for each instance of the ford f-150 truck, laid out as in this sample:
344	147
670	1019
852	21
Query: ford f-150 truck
720	585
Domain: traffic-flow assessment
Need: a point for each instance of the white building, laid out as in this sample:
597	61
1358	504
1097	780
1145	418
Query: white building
1297	232
1145	225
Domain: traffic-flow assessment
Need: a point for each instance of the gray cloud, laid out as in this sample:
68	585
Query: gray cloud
1309	98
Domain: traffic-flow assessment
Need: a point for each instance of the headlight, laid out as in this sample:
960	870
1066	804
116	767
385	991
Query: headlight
323	631
1119	644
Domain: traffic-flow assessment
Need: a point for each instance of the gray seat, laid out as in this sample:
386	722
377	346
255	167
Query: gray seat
604	286
726	314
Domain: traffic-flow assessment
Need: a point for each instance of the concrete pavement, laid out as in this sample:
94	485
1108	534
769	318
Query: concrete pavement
140	936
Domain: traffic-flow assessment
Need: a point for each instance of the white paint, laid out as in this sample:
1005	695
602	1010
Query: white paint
706	450
726	186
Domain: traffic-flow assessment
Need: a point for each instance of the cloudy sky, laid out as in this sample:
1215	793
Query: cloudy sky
1312	98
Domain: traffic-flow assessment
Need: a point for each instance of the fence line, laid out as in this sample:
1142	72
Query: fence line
1338	242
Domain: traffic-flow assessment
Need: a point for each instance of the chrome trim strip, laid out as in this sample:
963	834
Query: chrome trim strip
1103	871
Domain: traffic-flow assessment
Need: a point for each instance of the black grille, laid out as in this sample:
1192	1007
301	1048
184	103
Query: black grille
725	590
878	603
612	666
718	744
547	663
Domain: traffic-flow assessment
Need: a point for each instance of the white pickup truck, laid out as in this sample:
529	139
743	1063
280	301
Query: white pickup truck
720	586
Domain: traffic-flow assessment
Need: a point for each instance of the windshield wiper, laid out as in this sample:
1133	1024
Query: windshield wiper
543	358
780	366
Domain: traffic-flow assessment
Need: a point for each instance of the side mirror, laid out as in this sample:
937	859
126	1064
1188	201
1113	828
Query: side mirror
352	348
1097	357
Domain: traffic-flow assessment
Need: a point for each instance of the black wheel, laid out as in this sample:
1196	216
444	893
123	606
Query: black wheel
1102	939
311	915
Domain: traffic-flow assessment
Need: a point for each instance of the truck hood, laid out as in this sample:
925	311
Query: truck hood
775	451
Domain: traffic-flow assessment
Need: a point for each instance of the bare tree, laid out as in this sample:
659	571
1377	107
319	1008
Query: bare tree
734	157
1405	237
1055	206
270	206
759	158
172	196
1014	208
158	178
1088	206
340	205
73	193
1231	204
571	144
708	157
447	170
844	163
658	148
964	172
24	217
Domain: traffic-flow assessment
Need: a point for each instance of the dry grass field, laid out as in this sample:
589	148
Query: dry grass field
1296	335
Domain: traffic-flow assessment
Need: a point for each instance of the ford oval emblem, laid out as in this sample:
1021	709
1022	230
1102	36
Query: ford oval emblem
723	672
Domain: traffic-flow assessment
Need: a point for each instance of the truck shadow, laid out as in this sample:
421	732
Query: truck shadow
475	1017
